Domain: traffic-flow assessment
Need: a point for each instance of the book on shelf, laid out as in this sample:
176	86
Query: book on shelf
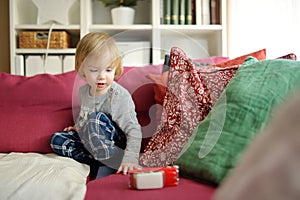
166	11
197	12
215	12
194	12
188	12
177	12
181	12
200	12
205	6
174	11
161	12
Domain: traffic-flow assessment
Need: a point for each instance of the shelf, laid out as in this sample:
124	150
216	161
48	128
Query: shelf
195	30
136	32
46	27
43	51
87	16
207	28
121	27
73	29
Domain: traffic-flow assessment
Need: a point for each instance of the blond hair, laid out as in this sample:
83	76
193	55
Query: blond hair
97	42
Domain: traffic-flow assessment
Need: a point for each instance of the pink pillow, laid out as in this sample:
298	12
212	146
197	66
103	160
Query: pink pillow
160	89
190	94
211	60
32	109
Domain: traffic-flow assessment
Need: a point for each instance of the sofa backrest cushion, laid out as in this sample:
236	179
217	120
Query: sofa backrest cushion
135	80
33	108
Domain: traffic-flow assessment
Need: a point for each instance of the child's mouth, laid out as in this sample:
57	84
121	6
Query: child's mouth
100	84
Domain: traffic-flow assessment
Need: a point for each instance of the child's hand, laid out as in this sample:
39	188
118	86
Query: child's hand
125	167
69	128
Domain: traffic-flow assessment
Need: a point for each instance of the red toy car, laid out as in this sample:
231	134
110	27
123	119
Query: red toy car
154	178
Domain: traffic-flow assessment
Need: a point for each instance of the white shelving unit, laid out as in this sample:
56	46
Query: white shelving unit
91	15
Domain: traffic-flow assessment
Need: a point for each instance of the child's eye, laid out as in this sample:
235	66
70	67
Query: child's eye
93	70
108	70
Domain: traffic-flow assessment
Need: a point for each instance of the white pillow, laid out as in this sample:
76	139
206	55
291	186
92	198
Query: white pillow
41	176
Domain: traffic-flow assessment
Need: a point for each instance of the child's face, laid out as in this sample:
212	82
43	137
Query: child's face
98	73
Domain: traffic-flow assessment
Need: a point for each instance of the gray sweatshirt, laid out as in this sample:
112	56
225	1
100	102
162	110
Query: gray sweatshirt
117	103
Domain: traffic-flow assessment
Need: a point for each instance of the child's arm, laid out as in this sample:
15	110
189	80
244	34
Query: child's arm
123	113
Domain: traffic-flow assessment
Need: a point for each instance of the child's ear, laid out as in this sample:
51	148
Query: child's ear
80	72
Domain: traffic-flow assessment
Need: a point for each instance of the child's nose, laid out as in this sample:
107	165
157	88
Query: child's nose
101	76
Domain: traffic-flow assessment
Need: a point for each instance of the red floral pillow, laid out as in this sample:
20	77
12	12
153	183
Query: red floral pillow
190	94
161	80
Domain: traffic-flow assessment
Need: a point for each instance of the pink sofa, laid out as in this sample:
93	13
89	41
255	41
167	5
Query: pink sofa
32	108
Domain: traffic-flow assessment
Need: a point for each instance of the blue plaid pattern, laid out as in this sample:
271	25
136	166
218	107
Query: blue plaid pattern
99	139
99	135
68	144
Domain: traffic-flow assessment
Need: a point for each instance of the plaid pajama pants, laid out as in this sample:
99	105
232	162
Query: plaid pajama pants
101	130
68	144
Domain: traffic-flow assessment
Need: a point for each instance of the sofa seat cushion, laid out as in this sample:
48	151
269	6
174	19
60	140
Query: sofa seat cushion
41	176
116	187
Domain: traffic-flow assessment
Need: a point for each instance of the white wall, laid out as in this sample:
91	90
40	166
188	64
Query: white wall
270	24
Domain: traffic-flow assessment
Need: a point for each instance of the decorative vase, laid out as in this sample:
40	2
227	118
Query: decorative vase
122	15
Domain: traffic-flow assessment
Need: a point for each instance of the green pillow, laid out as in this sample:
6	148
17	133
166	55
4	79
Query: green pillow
243	109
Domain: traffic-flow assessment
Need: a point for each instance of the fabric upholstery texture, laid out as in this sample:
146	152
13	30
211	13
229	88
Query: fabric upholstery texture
41	176
116	186
36	107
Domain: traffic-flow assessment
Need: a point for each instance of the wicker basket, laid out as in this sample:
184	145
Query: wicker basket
38	39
